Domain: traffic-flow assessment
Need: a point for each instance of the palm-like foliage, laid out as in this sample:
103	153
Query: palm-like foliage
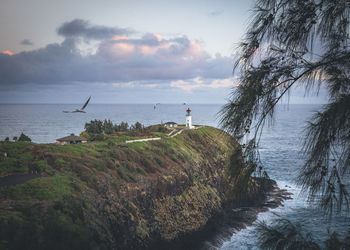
298	43
283	234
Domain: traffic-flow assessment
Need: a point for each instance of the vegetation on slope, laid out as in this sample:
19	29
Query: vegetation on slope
111	194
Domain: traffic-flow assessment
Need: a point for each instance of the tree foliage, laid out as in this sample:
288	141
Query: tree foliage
24	137
98	127
283	234
94	127
294	43
137	127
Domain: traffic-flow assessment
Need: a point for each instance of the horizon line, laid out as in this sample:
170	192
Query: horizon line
148	103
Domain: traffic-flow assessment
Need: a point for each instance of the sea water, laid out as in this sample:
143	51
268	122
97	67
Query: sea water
279	147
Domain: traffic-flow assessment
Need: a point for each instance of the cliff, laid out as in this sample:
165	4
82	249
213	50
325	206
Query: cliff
112	195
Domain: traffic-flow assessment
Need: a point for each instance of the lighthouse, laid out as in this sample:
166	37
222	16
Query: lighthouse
189	119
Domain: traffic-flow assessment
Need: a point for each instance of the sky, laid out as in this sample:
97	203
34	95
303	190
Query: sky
121	51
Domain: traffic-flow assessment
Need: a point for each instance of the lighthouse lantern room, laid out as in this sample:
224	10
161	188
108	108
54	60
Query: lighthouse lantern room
189	119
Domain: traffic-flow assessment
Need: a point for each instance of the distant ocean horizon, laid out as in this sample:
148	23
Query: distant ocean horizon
279	147
44	123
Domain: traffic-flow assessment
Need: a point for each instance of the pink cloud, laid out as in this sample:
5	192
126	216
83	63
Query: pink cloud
153	46
119	58
7	52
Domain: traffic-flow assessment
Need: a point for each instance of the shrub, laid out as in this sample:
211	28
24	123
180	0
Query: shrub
85	135
162	129
60	163
97	137
43	166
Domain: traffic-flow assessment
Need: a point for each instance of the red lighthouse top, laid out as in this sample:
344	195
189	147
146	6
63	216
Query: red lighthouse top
188	110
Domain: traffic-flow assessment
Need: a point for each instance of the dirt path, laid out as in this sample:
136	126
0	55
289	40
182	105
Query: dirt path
177	133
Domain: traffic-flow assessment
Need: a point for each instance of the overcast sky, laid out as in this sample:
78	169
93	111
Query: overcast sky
120	51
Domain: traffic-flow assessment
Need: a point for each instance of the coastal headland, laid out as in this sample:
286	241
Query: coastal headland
176	192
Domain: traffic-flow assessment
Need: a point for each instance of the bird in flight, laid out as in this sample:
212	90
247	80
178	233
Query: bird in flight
80	110
155	106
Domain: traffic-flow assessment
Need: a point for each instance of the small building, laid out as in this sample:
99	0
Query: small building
189	119
170	124
71	139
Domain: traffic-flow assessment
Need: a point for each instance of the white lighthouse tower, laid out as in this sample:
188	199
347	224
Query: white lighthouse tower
189	119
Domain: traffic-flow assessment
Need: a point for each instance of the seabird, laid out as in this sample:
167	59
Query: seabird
80	110
155	106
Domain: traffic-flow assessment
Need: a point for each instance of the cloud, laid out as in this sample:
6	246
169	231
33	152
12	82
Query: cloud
195	83
118	58
79	28
187	86
6	52
26	42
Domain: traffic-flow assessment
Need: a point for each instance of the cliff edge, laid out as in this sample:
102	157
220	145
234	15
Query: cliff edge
113	195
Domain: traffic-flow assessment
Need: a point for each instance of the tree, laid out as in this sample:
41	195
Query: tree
124	126
137	127
15	138
23	137
94	127
107	127
304	43
283	234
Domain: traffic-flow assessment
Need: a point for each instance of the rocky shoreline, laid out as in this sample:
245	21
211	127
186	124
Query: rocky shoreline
239	218
233	217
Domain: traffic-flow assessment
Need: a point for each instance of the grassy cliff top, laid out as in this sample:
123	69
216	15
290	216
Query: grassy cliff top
112	195
65	168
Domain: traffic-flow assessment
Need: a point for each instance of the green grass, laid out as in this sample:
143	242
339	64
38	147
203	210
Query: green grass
43	166
44	188
17	160
74	177
60	163
124	162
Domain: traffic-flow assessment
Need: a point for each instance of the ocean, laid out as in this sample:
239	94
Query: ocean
279	147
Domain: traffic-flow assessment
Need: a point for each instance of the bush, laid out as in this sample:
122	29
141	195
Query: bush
157	128
97	137
60	163
43	166
85	135
162	129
